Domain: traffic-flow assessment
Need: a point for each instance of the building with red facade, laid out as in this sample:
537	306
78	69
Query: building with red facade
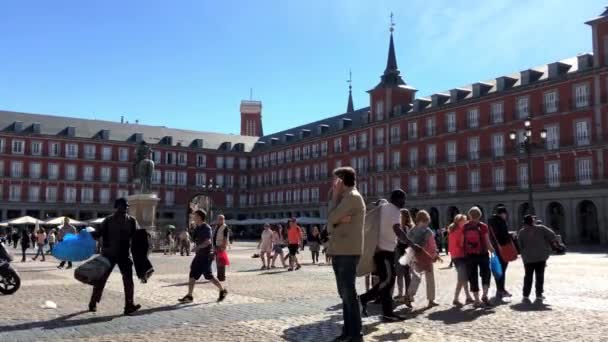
449	151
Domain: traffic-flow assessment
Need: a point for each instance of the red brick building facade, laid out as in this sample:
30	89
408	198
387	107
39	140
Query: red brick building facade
449	151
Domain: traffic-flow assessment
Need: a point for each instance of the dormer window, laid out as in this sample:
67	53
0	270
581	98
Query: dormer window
379	110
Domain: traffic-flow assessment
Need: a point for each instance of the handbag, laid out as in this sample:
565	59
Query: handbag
507	252
495	266
92	271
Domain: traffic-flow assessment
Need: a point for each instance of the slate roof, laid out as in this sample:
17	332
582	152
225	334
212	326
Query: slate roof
87	128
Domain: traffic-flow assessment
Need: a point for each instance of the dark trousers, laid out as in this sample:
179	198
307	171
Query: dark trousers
23	250
63	263
532	268
126	269
500	282
221	271
385	269
478	264
40	251
345	269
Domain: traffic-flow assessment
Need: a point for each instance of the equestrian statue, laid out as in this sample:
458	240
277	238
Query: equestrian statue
144	167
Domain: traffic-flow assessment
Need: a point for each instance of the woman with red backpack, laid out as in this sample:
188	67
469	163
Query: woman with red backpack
476	246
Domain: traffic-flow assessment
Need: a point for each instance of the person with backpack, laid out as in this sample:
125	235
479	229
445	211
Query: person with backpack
500	237
456	251
536	243
476	246
220	245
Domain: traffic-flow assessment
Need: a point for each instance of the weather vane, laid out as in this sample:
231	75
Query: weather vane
392	27
350	79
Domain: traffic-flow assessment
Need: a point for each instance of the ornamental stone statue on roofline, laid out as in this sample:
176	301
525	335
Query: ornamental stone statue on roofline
144	167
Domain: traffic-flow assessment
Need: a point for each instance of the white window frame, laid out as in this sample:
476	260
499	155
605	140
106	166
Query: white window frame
582	95
450	119
395	134
552	140
54	149
582	139
88	173
18	146
201	160
522	106
553	173
33	193
475	180
522	176
551	101
35	170
50	194
498	174
412	185
89	151
71	172
473	148
584	171
52	175
431	158
14	192
71	151
430	126
379	136
412	130
123	175
413	157
497	112
36	147
473	117
106	174
431	183
451	151
106	153
498	145
452	182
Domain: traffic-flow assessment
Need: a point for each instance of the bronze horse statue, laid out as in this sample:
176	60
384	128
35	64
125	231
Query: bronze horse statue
144	167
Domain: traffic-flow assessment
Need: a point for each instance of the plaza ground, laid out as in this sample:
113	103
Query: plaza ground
297	306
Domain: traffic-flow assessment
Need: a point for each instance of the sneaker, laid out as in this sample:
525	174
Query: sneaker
457	304
392	318
290	269
540	298
223	294
526	300
477	304
432	304
486	301
298	267
469	301
67	268
92	307
186	299
130	309
506	294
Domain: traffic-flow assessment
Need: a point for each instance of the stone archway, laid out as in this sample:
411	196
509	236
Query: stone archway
452	212
434	213
556	219
587	222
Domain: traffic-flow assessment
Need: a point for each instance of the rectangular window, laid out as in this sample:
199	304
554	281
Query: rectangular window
363	165
36	148
338	145
70	172
123	175
243	163
201	179
230	162
498	145
54	149
104	196
379	136
582	95
583	137
451	179
33	193
170	158
53	171
412	130
352	142
583	171
71	151
473	118
396	183
474	180
553	174
296	155
89	151
16	169
169	197
182	159
219	180
413	157
182	178
474	148
157	157
14	193
523	176
324	148
413	185
363	140
219	162
86	195
432	184
380	162
431	154
35	170
497	112
451	151
552	141
156	177
550	101
106	153
499	178
229	200
380	187
1	170
288	155
2	143
242	201
379	110
51	194
430	126
106	174
450	122
315	172
201	160
170	177
396	160
523	111
18	147
69	195
395	134
363	188
306	152
88	173
315	151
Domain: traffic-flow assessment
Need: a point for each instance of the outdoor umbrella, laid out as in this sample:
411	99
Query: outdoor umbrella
3	224
59	221
97	220
25	220
75	247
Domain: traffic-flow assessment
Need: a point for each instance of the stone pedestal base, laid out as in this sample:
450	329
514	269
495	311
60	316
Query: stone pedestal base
143	208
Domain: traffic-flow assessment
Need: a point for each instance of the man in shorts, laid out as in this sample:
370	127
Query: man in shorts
294	239
201	263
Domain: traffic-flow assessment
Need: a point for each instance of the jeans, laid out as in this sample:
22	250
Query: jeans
40	252
345	269
478	264
539	269
126	269
385	269
63	264
500	282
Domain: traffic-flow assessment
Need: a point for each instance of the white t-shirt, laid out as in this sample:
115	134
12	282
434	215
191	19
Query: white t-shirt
389	216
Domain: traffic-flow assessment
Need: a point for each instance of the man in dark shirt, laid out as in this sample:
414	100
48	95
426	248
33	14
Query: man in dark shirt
201	264
117	232
500	236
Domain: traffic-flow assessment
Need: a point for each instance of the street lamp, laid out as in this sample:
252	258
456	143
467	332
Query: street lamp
527	144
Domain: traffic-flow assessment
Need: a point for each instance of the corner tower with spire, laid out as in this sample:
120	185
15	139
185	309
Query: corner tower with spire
349	107
392	96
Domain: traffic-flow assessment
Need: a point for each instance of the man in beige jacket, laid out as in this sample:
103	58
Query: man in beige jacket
345	226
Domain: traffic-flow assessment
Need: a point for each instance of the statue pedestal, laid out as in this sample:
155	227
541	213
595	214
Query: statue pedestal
143	208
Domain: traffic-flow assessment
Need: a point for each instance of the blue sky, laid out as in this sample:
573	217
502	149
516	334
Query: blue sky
187	64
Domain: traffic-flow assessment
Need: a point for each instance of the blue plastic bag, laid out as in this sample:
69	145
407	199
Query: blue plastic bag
75	247
495	266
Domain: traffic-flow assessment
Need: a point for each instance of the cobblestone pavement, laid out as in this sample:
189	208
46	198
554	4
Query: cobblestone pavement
297	306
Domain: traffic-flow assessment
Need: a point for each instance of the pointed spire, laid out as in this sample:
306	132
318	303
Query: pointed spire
391	62
350	108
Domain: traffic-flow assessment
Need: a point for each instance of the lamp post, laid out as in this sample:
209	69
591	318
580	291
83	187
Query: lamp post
528	144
